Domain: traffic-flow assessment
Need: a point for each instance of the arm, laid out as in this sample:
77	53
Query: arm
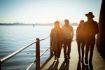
51	39
72	32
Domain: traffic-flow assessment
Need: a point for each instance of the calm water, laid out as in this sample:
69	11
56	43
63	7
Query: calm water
15	37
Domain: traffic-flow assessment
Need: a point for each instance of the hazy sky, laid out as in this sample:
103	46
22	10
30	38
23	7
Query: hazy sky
46	11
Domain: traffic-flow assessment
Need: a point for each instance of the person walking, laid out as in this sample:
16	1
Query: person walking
67	38
80	38
56	38
91	31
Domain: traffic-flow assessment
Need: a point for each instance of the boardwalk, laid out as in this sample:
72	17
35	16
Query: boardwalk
72	64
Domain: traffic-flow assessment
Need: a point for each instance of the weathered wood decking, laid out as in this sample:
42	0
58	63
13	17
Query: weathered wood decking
73	64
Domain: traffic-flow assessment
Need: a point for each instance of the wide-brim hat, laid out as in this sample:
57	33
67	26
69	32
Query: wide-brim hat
89	14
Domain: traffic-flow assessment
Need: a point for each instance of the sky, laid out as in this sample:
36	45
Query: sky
47	11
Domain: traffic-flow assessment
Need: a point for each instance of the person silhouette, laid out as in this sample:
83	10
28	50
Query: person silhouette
91	31
56	38
80	38
67	38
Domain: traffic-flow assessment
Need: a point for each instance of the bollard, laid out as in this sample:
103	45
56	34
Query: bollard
37	54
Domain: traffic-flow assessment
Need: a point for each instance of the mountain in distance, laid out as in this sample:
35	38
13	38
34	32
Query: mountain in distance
73	24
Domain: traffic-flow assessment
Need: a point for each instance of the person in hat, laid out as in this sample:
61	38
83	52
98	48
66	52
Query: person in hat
80	38
56	36
67	38
91	31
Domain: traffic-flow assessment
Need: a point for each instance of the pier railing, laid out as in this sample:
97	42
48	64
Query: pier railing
37	52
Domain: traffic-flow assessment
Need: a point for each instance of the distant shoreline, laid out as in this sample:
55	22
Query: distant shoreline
8	24
26	24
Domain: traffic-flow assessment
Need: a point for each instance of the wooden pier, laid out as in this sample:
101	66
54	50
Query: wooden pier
73	63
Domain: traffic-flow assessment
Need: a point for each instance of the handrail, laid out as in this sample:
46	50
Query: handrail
14	53
35	60
29	66
44	52
17	51
44	38
21	49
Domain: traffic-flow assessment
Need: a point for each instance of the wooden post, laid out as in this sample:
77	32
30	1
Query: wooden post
37	54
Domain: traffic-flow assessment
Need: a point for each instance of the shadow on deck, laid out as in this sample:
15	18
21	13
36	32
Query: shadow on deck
73	63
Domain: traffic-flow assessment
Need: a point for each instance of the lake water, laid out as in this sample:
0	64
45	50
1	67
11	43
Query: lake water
15	37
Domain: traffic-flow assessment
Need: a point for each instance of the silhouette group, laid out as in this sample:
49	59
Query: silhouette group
62	37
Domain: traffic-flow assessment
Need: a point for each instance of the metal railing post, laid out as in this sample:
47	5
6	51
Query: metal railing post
37	54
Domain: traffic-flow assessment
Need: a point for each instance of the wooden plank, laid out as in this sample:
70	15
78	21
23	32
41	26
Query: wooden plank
73	63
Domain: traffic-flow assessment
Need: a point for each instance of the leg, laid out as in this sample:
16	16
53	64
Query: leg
69	50
91	52
91	56
86	53
78	43
65	51
82	50
55	54
59	50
